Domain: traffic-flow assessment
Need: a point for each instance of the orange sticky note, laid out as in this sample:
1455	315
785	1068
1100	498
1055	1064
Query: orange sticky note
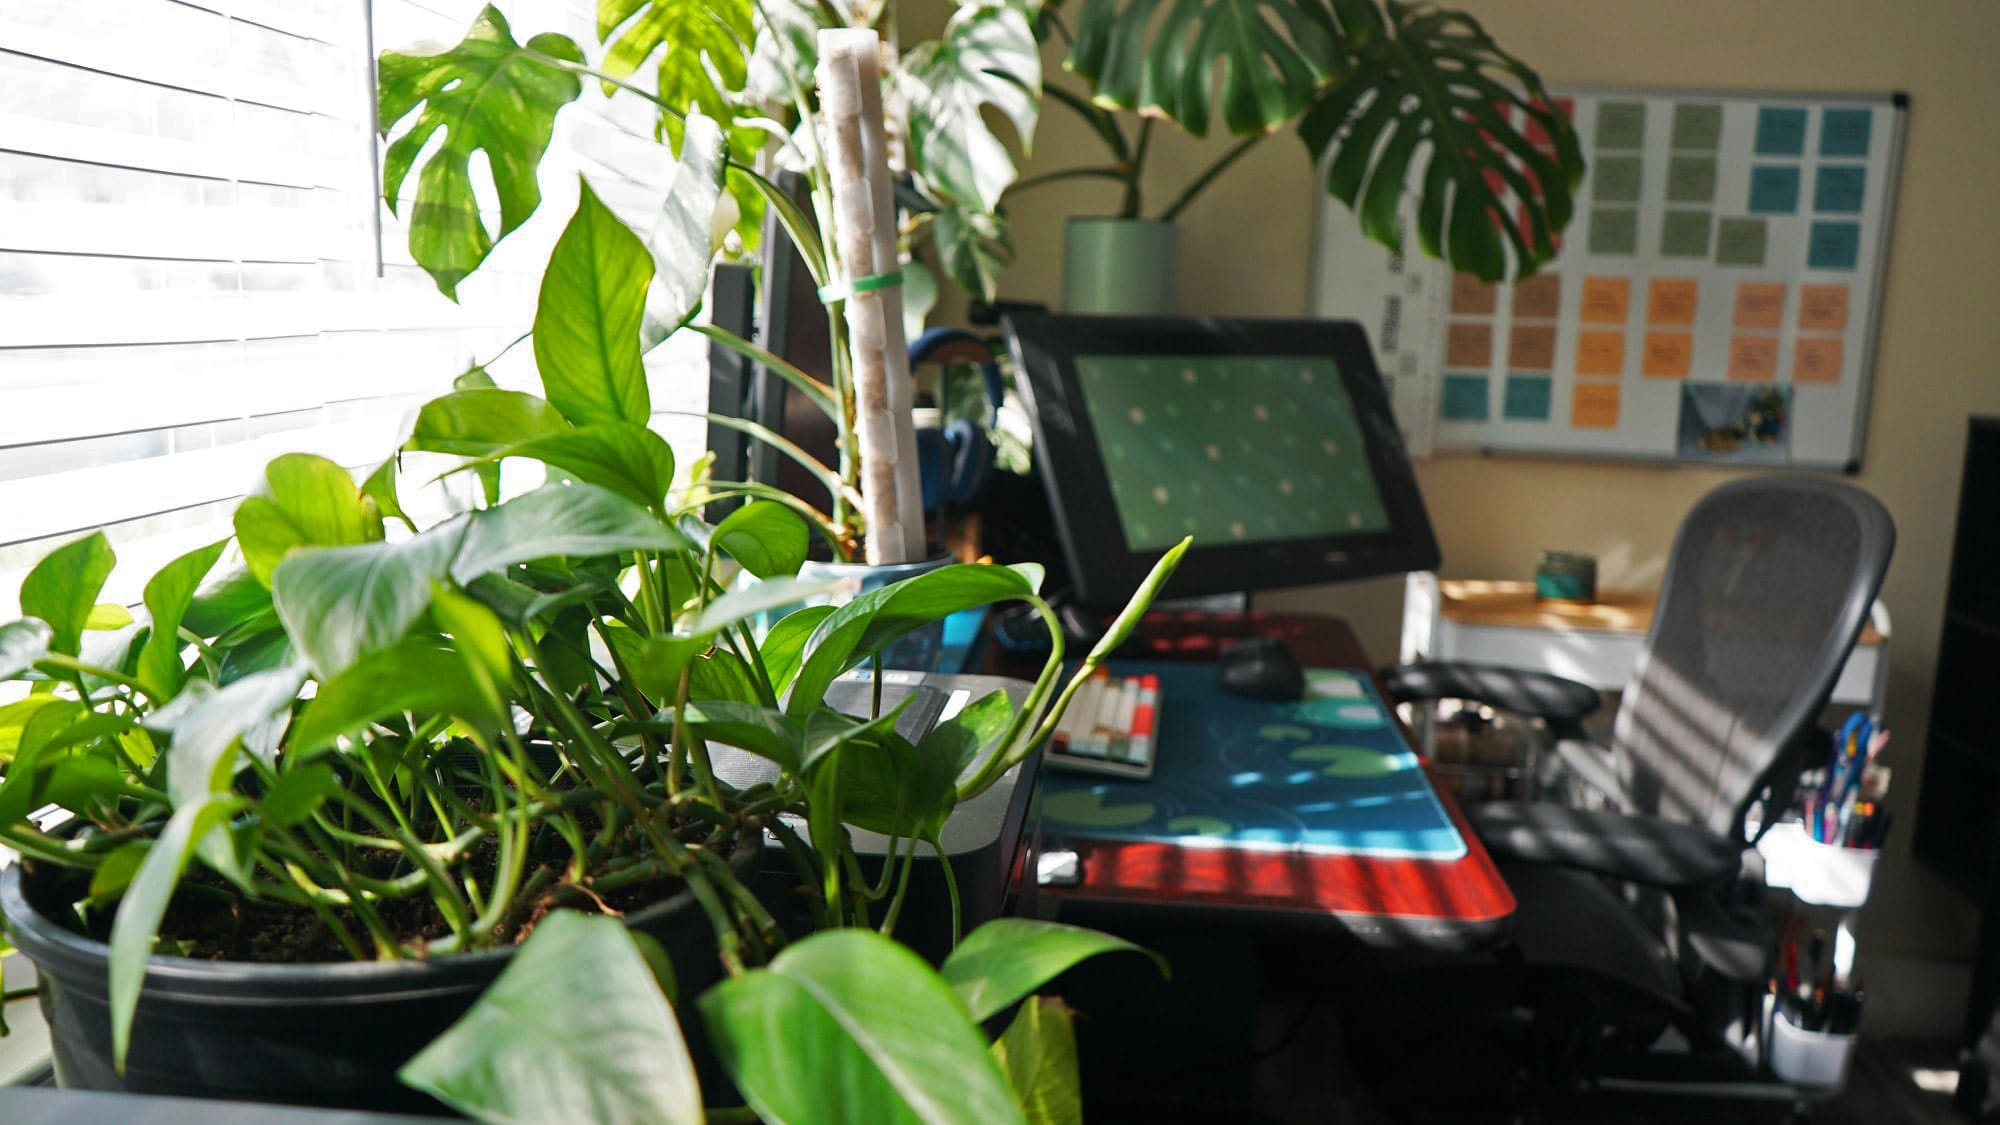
1817	361
1538	297
1532	347
1760	304
1468	344
1753	359
1606	299
1823	308
1600	353
1668	355
1595	406
1470	295
1671	300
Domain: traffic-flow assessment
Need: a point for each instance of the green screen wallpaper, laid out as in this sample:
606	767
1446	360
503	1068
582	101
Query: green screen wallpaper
1229	449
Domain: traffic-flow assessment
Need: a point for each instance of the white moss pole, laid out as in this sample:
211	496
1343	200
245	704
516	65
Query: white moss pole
864	218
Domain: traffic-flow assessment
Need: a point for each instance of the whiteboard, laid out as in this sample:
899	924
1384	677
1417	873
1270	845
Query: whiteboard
1715	298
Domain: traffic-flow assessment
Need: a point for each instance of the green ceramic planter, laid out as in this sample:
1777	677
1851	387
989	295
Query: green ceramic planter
1126	267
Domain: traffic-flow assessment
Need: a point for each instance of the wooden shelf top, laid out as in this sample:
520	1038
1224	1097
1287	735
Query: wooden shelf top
1513	605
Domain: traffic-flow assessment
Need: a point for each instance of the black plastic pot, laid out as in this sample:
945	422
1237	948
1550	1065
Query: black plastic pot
322	1034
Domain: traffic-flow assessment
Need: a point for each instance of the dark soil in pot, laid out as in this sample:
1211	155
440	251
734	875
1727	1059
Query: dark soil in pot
329	1034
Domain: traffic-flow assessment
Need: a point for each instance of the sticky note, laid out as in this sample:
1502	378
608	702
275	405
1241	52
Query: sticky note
1621	124
1614	230
1823	308
1537	133
1471	296
1753	359
1697	125
1594	406
1684	234
1839	188
1615	179
1833	246
1740	242
1781	131
1760	304
1606	299
1464	398
1538	297
1668	355
1468	344
1527	398
1844	132
1532	347
1671	300
1817	360
1691	179
1774	189
1600	353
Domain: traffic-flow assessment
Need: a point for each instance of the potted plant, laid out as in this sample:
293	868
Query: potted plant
415	744
1393	98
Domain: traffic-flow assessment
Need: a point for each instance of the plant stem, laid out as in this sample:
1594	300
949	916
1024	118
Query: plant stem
1208	176
1130	208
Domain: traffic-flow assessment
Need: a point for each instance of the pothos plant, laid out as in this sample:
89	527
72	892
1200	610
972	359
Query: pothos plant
1394	98
729	77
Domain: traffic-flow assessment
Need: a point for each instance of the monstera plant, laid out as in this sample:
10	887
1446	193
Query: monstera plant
1393	97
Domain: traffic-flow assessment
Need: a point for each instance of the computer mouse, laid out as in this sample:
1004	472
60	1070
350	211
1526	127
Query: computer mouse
1261	668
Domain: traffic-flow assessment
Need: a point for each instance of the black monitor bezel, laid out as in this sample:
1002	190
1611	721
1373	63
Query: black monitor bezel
1104	570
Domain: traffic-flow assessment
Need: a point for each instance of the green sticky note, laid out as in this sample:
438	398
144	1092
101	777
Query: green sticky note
1464	398
1697	126
1614	230
1684	234
1740	242
1844	132
1774	189
1691	179
1527	398
1615	179
1834	246
1840	187
1781	131
1621	124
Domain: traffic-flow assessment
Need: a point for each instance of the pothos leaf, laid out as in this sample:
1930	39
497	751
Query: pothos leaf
587	319
488	93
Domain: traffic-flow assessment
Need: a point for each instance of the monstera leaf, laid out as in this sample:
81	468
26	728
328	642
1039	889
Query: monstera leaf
488	93
702	64
987	57
1432	82
1270	58
973	247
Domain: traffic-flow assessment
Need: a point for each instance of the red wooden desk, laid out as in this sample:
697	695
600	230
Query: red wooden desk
1455	903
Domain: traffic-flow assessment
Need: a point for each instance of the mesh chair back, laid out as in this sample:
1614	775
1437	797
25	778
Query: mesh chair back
1767	589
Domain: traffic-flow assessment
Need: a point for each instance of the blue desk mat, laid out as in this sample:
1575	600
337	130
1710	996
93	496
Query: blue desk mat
1330	774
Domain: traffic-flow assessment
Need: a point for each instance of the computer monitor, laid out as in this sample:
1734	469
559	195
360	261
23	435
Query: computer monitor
1270	441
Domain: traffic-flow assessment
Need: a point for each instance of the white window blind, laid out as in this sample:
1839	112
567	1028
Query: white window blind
196	273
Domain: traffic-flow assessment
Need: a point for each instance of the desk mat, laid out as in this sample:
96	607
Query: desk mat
1330	774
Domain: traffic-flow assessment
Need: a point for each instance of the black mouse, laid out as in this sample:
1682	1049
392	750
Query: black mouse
1261	668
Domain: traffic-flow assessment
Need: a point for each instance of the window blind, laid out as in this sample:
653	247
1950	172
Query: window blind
197	274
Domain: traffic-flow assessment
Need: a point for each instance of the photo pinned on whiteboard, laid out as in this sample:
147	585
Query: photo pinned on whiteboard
1723	422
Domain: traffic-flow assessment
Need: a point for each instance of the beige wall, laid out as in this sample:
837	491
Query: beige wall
1247	249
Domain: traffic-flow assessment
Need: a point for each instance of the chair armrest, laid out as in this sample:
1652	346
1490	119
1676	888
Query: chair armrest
1523	692
1641	849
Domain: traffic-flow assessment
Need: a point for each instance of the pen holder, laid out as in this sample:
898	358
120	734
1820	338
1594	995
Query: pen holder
1816	873
1814	1060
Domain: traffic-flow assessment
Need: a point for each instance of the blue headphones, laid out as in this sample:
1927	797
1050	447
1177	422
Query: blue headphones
957	460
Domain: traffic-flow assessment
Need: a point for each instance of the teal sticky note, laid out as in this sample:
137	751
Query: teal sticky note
1774	189
1845	132
1740	242
1615	179
1614	230
1684	234
1781	131
1839	188
1527	398
1464	398
1621	124
1691	179
1834	246
1697	126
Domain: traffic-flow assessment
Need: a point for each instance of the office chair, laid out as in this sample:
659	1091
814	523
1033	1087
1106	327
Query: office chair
1646	913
